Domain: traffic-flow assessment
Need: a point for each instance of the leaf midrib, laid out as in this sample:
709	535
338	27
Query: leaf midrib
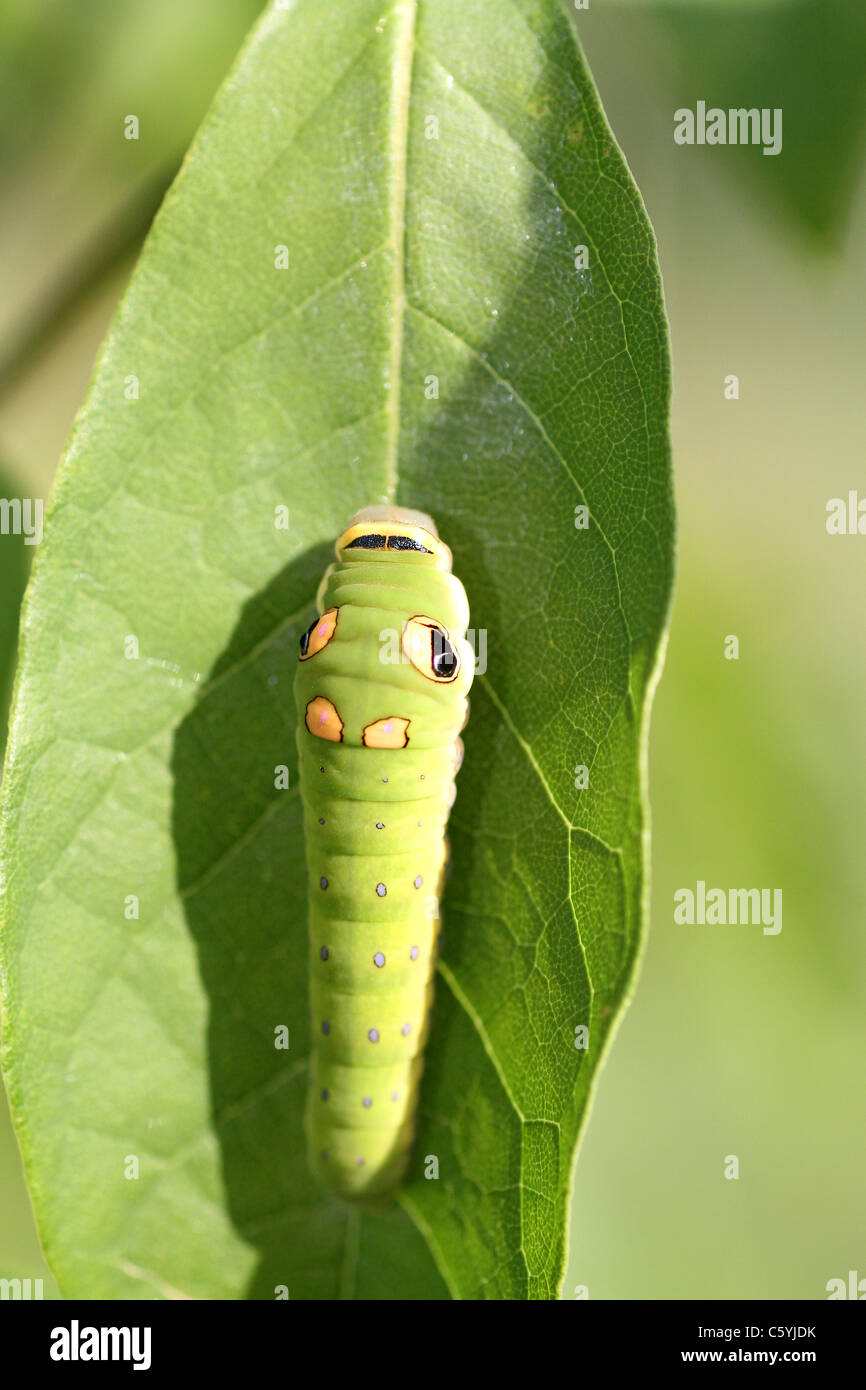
405	14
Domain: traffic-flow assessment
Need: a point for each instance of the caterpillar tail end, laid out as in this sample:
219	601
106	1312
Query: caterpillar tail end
373	1183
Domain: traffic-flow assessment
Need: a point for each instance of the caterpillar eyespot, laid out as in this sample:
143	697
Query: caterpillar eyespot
318	634
428	646
378	752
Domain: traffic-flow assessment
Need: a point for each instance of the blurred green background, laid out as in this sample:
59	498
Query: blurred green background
736	1043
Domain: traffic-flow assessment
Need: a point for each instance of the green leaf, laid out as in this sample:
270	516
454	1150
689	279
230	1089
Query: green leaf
151	1038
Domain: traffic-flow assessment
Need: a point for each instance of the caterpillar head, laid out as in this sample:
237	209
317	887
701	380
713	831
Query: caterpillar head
386	664
393	533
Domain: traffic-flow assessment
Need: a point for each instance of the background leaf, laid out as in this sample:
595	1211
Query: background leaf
78	194
14	563
15	1227
410	257
805	56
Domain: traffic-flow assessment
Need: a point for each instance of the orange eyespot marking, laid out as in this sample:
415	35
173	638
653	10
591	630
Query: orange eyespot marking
323	720
429	648
392	732
318	634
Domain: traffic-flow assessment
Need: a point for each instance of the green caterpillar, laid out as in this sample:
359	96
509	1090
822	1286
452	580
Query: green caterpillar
380	689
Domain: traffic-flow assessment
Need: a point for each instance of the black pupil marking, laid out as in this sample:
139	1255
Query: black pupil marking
380	542
443	658
305	640
407	543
